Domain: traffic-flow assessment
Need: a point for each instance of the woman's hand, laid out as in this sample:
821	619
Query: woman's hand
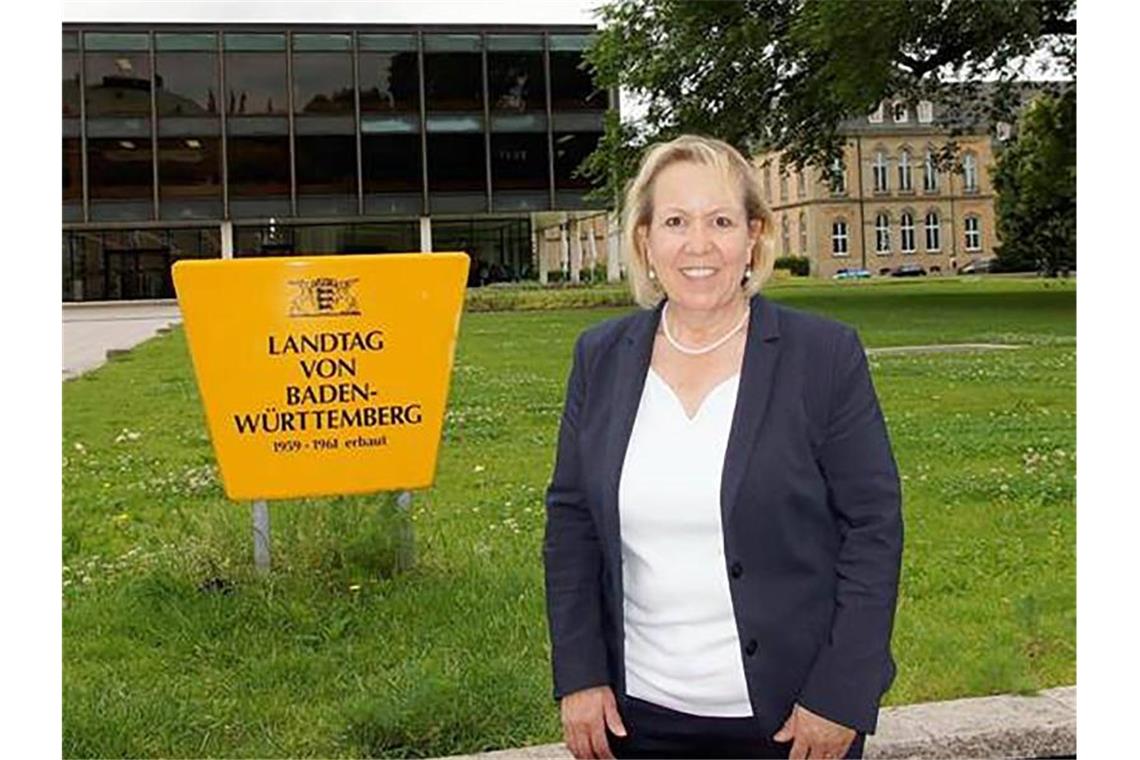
585	715
814	735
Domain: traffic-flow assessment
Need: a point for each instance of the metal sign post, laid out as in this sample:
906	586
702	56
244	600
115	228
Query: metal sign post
261	536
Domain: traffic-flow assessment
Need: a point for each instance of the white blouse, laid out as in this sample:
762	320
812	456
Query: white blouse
681	646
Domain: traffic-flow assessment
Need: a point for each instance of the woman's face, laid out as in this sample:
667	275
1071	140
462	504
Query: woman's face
699	240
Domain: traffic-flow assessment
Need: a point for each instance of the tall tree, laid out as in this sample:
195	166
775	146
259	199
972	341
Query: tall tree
1036	183
784	74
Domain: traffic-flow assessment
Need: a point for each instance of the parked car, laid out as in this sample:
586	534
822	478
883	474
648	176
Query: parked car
909	270
851	274
977	266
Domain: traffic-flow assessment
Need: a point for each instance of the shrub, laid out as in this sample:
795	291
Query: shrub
558	296
797	265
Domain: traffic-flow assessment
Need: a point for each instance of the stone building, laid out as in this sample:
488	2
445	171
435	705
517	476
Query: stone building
892	204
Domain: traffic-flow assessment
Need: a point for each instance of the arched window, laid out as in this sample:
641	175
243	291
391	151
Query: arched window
839	237
970	172
933	232
879	171
785	235
906	183
882	233
803	234
930	173
838	178
973	228
768	182
801	185
906	232
783	181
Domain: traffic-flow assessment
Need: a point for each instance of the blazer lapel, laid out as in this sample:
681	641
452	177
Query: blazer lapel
757	374
634	350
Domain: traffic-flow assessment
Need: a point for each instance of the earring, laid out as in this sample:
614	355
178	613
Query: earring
747	273
652	274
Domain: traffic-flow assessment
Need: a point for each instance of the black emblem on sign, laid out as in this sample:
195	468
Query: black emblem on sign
323	297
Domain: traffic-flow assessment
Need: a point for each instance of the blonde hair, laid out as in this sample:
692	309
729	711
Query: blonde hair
638	209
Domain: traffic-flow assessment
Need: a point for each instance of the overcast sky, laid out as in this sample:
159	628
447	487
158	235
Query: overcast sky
341	11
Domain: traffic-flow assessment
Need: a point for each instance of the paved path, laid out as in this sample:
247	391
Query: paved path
91	330
1004	726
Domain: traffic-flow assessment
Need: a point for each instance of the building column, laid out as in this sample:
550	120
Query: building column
227	239
591	232
575	251
613	249
564	247
536	243
425	234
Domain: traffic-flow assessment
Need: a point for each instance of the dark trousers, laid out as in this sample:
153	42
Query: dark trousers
655	731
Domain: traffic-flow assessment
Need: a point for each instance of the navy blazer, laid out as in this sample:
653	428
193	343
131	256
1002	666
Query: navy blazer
810	508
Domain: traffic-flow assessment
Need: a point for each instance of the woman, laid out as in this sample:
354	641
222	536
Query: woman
724	529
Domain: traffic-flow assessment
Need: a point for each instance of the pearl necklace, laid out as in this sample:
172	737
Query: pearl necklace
706	349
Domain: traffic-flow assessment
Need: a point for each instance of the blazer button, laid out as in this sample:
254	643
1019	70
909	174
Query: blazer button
750	647
736	570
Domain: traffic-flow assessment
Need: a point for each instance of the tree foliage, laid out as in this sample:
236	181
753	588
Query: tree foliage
785	74
1036	183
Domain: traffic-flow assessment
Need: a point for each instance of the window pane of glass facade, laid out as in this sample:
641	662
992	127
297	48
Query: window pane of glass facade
71	84
272	240
389	82
119	169
500	249
531	42
190	169
387	43
322	83
455	163
118	84
570	42
240	41
255	84
516	81
452	43
72	170
326	167
518	162
453	81
389	237
117	41
323	42
391	163
186	84
571	88
206	41
570	149
259	166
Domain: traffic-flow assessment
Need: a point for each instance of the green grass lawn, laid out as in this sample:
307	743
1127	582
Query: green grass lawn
173	647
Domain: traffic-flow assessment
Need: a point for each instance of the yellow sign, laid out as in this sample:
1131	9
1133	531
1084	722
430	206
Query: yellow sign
325	374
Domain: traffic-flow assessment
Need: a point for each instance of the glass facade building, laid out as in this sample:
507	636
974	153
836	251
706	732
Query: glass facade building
315	139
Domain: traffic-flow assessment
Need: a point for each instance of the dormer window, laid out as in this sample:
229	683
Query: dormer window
898	111
925	111
876	116
1004	130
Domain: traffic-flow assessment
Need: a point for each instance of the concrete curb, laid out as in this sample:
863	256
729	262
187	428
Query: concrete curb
1005	726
